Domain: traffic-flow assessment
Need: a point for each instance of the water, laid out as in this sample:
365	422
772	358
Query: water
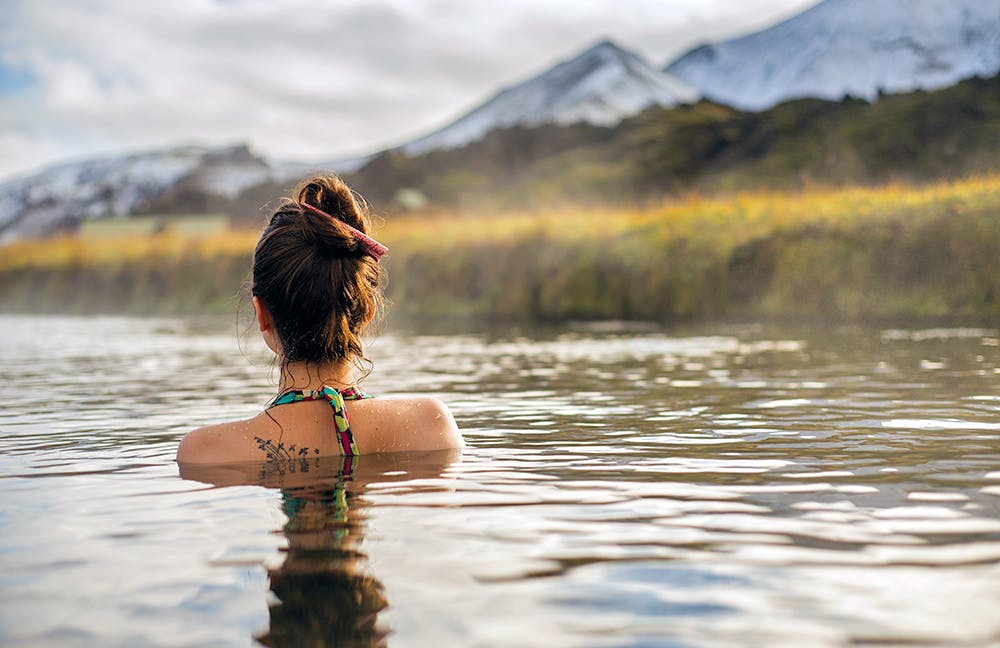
727	487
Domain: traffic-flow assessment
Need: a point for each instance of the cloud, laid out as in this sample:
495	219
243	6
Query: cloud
301	79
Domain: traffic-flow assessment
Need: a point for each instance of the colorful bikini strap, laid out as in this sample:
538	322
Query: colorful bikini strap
336	399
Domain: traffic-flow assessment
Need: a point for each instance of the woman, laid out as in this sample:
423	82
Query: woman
316	289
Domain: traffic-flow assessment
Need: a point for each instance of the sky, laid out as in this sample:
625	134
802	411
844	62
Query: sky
302	80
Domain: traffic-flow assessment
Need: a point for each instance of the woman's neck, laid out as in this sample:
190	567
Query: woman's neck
312	375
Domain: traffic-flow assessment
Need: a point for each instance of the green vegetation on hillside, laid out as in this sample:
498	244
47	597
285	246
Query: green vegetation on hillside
949	133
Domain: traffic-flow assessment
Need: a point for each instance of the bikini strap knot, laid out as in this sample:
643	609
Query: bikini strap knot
337	399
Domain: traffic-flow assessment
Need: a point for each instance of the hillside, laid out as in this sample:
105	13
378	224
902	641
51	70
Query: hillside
232	180
707	147
704	147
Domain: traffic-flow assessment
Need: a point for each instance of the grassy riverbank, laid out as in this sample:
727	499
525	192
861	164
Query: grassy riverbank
889	253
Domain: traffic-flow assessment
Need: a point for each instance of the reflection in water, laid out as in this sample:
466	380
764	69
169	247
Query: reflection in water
325	596
325	592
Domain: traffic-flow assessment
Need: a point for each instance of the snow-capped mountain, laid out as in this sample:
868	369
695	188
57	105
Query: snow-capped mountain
61	196
603	85
850	47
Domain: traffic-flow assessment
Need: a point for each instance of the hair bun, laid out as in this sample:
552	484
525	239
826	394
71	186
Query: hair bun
331	195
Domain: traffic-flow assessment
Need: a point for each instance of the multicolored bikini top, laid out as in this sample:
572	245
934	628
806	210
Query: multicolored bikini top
336	398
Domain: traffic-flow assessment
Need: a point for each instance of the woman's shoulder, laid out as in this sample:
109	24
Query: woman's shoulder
221	442
394	424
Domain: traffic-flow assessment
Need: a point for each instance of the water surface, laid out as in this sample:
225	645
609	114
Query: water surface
739	486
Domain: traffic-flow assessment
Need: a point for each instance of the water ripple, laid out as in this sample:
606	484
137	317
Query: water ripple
619	489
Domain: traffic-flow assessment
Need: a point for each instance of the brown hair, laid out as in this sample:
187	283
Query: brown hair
320	287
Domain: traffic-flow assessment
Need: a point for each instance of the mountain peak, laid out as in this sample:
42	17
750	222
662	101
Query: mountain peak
850	47
601	85
605	47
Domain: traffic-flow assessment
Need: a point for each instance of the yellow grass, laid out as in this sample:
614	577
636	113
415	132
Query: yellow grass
71	251
741	216
895	251
722	221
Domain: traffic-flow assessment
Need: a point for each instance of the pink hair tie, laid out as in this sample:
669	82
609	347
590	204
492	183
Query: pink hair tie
372	248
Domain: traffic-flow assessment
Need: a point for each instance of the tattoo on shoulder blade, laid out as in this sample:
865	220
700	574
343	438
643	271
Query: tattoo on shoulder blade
278	451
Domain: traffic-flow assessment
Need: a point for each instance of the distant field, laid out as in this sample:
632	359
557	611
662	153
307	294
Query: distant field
148	224
889	253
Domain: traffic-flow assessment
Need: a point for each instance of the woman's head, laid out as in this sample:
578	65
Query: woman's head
318	284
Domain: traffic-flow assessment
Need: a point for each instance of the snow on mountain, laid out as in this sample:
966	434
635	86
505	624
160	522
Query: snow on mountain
227	172
603	85
61	196
293	170
850	47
